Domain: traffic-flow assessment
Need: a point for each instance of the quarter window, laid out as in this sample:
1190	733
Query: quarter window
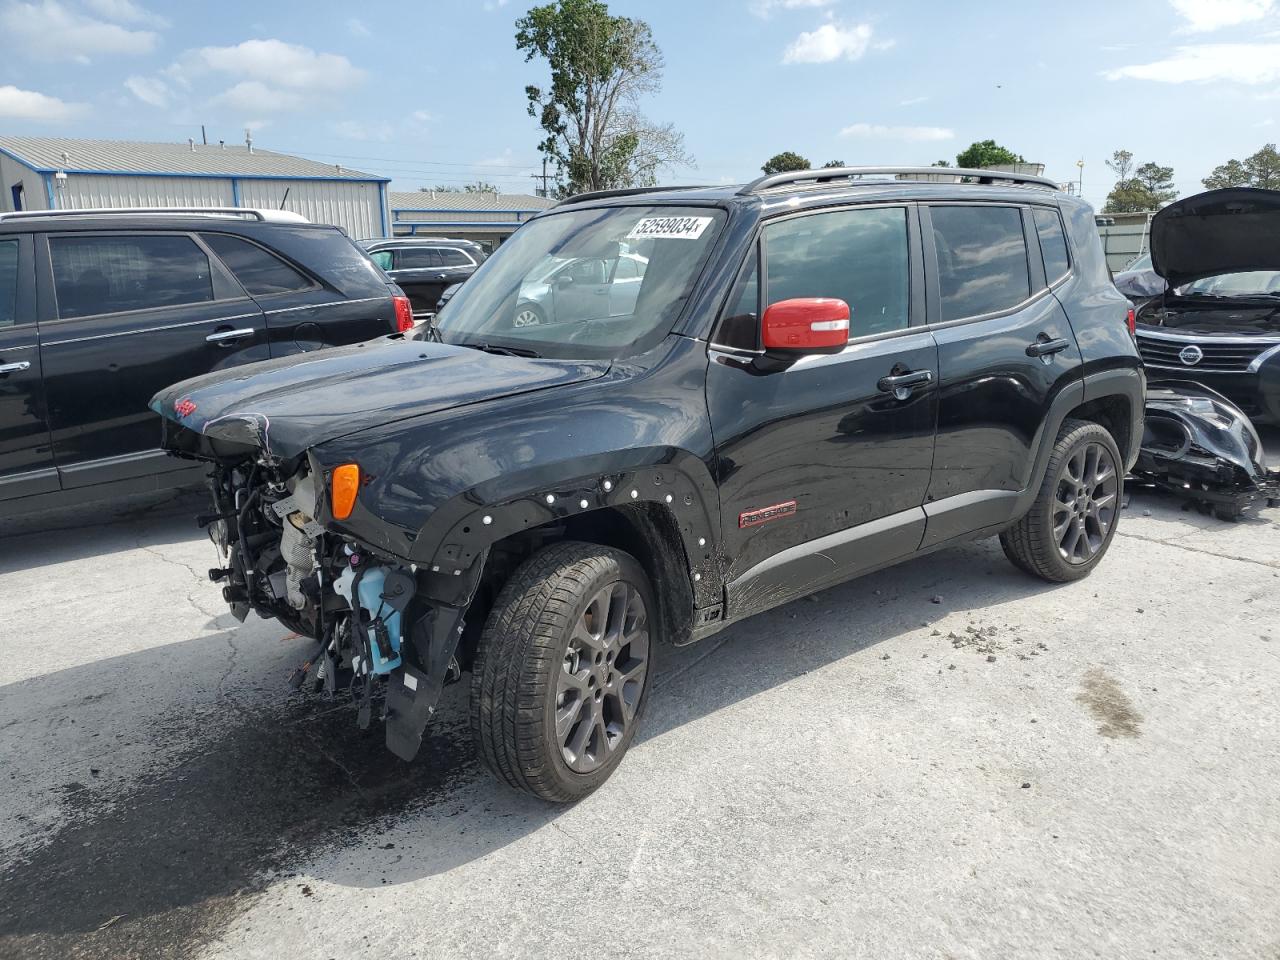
1053	244
982	259
454	258
8	283
259	272
858	256
112	274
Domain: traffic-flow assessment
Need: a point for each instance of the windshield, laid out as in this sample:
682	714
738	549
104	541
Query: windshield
1252	283
1142	263
585	284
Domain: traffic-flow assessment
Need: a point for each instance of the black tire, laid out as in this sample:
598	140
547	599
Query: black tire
523	662
1031	544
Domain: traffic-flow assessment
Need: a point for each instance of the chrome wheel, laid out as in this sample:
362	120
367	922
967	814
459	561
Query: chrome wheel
1085	502
602	678
526	317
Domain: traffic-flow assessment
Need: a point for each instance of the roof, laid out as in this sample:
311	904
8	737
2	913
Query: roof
49	154
438	201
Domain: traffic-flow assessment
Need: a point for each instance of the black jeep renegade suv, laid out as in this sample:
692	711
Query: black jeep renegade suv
820	374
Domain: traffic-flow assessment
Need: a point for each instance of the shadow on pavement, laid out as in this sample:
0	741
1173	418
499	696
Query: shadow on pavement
166	859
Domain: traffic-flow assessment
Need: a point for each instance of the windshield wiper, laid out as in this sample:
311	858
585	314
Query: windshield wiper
500	350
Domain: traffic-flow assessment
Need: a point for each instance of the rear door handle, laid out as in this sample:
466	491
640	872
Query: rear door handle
230	336
7	368
1044	347
901	384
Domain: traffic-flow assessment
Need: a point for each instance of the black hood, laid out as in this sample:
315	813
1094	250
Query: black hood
1221	231
290	404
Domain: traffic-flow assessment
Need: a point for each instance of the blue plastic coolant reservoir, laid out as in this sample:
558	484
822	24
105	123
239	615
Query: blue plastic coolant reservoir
371	589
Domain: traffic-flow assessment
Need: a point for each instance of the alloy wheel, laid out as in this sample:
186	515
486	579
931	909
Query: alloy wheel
1085	502
526	318
602	678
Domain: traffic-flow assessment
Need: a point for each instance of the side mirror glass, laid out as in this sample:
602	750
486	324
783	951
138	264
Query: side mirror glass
806	325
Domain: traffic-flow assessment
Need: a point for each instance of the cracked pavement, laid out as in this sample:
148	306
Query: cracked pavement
838	777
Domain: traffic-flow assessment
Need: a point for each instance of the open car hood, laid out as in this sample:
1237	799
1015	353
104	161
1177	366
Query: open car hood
1221	231
292	403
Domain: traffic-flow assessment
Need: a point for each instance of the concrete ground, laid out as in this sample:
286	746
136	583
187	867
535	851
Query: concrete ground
946	759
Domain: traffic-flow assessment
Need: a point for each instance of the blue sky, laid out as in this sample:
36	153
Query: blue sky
432	92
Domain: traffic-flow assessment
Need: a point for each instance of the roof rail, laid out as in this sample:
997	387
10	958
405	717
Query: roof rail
287	216
625	192
904	173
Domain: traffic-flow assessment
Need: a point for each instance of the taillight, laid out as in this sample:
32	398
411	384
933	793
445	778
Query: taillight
1131	319
343	487
404	314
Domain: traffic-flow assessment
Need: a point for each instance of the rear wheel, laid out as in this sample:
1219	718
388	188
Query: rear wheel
562	670
1068	529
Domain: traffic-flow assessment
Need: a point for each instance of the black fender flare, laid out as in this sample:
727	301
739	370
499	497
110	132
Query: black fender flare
450	548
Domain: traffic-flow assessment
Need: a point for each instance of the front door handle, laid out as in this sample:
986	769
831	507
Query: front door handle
1045	347
901	384
230	336
7	368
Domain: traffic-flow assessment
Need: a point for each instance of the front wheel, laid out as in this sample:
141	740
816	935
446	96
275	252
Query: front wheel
1073	519
562	670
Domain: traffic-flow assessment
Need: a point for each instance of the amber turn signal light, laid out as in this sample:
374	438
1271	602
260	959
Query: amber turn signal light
343	489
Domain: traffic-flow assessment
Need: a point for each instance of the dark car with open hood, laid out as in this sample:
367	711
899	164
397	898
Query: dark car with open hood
732	397
1218	321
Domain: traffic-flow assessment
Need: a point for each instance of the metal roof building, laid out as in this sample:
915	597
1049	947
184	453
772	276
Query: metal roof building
52	173
487	218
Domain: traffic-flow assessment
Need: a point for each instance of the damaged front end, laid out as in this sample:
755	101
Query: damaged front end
1200	446
381	638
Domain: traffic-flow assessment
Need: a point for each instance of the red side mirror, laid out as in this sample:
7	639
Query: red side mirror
806	325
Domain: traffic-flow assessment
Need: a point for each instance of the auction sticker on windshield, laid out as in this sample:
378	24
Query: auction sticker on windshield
669	228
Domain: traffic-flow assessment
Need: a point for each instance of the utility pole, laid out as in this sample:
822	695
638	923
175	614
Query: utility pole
1080	164
544	177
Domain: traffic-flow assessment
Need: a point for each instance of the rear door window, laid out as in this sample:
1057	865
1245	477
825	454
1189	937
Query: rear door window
858	256
1053	244
261	273
982	259
8	282
417	258
114	274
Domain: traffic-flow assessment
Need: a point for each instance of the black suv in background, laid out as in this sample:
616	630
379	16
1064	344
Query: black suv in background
821	374
99	309
425	266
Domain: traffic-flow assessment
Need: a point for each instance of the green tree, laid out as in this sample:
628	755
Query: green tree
1148	187
1158	182
601	66
1233	173
1262	169
1121	164
940	163
987	153
480	186
832	163
786	161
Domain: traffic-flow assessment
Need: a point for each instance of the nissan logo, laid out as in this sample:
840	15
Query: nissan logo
1191	355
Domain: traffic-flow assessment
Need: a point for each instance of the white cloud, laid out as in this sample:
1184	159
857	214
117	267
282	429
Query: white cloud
18	104
1248	63
912	101
829	42
356	27
492	5
48	30
1202	16
355	130
765	8
875	131
125	11
271	75
150	90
